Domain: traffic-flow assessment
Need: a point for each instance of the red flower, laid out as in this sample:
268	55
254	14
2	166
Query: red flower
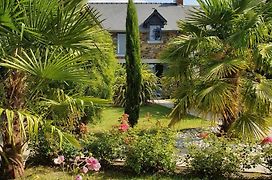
267	140
123	127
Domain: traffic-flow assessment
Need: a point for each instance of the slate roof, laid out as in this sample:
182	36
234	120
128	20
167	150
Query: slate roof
114	14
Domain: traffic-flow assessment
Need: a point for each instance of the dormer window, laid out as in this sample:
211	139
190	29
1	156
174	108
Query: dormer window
155	22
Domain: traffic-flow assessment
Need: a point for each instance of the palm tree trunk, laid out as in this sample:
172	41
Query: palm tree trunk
12	161
230	114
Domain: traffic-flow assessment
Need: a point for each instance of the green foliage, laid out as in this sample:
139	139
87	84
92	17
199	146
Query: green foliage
143	151
69	112
46	147
43	149
27	131
133	65
221	64
168	86
148	87
45	44
46	65
151	151
219	157
107	146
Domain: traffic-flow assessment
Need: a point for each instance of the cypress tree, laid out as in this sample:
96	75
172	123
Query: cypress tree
133	65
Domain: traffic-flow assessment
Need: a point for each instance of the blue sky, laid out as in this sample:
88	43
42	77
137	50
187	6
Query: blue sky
186	2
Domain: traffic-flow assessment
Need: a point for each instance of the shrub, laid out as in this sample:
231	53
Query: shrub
168	86
107	146
151	151
47	146
143	151
219	157
148	86
42	150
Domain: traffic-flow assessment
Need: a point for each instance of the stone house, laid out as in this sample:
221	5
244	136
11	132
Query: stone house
157	24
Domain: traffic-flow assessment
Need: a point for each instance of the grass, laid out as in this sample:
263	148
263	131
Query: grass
47	173
150	116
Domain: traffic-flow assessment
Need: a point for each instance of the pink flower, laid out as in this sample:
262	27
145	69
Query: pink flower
93	164
59	160
267	140
78	177
123	127
85	169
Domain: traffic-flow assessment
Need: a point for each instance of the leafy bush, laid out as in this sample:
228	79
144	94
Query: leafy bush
42	150
151	151
143	151
107	146
148	87
48	145
69	112
219	157
168	86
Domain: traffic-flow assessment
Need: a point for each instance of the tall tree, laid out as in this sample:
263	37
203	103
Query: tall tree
133	65
41	41
221	63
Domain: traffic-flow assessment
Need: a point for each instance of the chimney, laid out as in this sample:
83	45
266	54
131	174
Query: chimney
179	2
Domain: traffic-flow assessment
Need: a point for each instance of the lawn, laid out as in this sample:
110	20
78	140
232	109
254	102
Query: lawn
150	116
43	173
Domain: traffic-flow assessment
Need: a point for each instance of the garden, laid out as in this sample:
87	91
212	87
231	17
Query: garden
70	111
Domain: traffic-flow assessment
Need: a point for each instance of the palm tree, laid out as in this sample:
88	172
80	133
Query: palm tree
40	41
221	63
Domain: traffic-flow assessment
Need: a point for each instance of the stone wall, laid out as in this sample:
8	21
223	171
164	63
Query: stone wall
150	50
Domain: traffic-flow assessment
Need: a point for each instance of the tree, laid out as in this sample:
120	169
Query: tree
221	62
133	65
41	41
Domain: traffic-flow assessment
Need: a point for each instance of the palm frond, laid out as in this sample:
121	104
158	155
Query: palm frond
265	49
63	136
223	69
257	95
185	101
250	30
49	65
68	24
250	126
263	90
10	14
28	123
214	98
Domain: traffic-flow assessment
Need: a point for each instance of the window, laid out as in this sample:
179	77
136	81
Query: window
155	33
121	44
